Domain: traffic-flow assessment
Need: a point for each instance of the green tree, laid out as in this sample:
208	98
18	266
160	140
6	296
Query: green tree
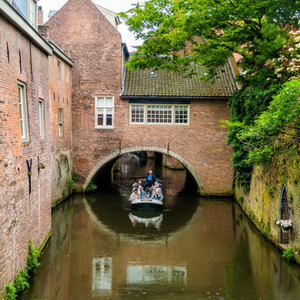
277	130
254	29
245	107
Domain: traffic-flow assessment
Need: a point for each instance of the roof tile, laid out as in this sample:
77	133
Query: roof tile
170	84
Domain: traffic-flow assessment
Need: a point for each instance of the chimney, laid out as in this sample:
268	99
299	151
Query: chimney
40	16
44	32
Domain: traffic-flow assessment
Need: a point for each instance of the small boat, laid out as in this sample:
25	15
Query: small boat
147	204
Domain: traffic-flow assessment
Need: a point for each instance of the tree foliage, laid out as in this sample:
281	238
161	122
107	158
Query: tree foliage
245	107
254	29
277	130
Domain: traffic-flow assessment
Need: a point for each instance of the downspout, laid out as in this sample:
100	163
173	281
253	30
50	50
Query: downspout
122	69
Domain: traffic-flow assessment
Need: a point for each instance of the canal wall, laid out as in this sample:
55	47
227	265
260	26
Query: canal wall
274	194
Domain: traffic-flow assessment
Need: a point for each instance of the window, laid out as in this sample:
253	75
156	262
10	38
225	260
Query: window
170	114
32	13
42	119
23	111
58	70
159	114
104	112
60	122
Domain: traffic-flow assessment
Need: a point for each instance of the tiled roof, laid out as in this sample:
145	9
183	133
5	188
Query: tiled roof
170	84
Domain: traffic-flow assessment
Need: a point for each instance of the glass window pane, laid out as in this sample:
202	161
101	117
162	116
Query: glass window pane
108	120
108	101
100	101
137	114
100	120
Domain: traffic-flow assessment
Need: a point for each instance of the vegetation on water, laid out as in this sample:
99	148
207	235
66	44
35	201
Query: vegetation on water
288	254
21	279
91	187
71	184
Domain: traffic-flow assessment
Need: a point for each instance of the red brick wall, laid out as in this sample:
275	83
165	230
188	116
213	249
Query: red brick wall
96	48
23	216
60	98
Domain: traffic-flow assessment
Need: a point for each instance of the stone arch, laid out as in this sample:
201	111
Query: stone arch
117	154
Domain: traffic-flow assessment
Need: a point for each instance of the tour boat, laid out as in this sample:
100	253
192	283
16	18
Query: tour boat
147	204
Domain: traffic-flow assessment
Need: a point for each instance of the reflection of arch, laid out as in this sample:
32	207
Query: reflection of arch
126	236
117	154
284	213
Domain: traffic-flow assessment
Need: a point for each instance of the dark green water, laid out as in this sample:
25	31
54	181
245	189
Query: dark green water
196	248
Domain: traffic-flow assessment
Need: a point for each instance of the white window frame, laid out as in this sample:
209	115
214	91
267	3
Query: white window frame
23	111
42	119
145	106
105	109
60	122
32	13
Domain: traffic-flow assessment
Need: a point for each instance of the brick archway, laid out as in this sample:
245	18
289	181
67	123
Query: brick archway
116	154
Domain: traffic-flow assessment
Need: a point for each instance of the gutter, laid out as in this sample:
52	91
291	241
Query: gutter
10	14
130	97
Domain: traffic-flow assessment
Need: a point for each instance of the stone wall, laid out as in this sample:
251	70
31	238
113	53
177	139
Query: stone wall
24	215
262	202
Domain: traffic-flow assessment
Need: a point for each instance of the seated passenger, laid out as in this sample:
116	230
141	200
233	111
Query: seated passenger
148	192
157	195
134	195
141	192
158	186
136	185
153	188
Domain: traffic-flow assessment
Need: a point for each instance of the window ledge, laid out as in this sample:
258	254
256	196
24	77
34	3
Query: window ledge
104	127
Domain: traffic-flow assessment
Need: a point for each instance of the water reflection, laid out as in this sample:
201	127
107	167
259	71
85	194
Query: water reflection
146	218
102	273
139	275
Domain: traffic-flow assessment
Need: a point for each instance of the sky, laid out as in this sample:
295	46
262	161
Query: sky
114	5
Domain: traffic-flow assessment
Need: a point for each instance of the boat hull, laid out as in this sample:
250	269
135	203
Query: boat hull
147	205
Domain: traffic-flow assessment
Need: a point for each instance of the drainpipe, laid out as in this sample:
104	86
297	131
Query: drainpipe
122	71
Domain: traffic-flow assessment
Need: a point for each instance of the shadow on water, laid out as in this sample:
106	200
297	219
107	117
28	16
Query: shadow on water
195	249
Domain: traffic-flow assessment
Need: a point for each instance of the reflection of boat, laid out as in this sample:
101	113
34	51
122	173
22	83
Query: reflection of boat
147	204
146	220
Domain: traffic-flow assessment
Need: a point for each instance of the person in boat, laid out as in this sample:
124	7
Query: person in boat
140	192
158	186
134	195
148	192
153	188
150	179
136	185
157	195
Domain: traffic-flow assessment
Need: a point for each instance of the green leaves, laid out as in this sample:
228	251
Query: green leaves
276	130
246	27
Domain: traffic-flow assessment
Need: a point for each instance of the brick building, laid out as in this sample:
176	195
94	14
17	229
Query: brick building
103	125
25	140
28	71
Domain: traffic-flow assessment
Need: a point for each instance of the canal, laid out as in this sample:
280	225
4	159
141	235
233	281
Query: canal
196	248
